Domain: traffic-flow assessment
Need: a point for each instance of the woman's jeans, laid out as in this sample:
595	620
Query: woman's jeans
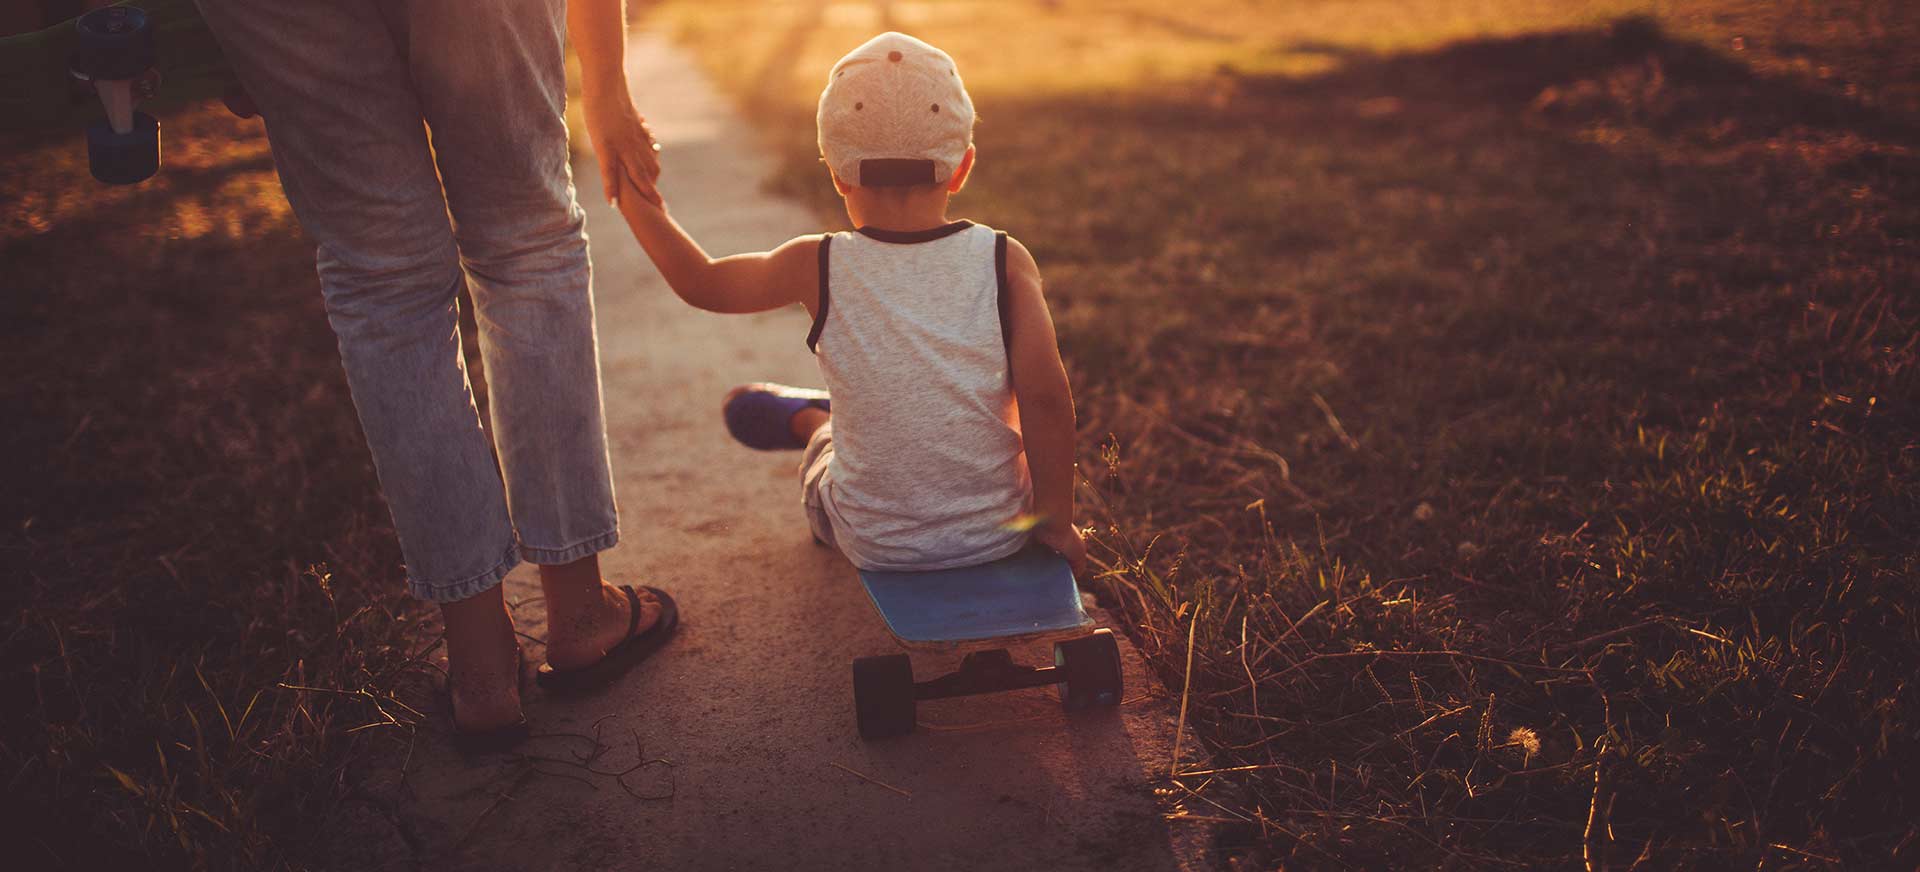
422	144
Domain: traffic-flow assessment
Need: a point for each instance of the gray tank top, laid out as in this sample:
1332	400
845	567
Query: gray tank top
927	466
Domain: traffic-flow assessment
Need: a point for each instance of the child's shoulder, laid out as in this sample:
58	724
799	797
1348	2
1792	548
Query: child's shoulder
806	244
1016	250
798	265
1019	260
903	240
800	253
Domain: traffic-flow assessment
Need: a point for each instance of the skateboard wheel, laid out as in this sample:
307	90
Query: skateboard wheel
1091	665
124	158
883	701
113	42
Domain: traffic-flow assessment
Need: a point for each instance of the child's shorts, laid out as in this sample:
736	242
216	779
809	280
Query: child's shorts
813	468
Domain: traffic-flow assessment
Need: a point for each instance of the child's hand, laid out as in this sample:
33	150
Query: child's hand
1064	537
634	193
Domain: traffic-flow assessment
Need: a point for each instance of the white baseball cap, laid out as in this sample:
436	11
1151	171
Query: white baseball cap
894	113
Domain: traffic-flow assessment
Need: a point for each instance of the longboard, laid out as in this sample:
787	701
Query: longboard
1030	596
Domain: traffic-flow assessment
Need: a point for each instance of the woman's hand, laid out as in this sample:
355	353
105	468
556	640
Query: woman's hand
629	158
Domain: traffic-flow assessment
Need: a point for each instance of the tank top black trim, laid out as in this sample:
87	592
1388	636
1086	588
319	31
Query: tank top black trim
1006	287
820	311
908	237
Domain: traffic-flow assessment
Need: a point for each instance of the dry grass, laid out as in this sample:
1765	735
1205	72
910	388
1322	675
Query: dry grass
1519	395
1512	400
189	520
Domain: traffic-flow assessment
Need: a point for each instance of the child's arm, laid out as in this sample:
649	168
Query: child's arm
752	282
1046	406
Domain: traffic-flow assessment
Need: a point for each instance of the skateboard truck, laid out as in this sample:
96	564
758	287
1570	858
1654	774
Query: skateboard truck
986	672
1086	669
115	53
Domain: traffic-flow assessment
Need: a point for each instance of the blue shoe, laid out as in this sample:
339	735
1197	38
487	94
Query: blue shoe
760	416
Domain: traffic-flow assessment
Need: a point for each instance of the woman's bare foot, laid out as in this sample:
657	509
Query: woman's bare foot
483	662
587	616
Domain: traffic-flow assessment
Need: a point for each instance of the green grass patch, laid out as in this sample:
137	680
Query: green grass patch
1513	400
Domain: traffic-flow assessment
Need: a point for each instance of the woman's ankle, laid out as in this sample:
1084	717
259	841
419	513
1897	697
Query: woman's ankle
584	614
482	659
479	628
572	588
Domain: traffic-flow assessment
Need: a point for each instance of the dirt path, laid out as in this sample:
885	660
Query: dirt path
751	707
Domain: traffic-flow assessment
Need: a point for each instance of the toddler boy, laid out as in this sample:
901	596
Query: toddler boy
947	430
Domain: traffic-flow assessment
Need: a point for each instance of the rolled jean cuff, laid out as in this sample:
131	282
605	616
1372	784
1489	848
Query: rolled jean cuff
557	556
453	591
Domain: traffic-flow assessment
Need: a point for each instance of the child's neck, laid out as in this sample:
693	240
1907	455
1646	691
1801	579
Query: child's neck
895	210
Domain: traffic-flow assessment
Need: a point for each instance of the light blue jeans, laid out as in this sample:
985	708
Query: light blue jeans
422	144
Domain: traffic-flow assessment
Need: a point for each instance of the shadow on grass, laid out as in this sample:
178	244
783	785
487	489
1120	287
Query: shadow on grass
1563	383
190	520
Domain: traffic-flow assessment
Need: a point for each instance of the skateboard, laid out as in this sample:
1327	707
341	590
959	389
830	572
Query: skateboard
114	53
1027	597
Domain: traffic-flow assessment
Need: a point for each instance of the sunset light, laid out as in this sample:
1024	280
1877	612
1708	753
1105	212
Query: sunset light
960	434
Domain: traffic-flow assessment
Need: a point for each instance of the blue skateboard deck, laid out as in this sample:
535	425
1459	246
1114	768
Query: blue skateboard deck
1030	594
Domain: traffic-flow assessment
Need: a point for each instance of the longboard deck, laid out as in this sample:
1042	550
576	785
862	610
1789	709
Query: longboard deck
1028	595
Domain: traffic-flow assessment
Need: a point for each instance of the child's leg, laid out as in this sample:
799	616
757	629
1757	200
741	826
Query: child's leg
771	417
813	470
768	417
808	420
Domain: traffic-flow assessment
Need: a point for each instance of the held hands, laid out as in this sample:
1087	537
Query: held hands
1064	537
629	159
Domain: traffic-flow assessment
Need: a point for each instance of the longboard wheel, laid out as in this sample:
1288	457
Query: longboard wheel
883	701
124	158
1091	665
113	42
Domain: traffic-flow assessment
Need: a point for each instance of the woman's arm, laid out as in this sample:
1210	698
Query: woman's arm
752	282
621	140
1046	406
